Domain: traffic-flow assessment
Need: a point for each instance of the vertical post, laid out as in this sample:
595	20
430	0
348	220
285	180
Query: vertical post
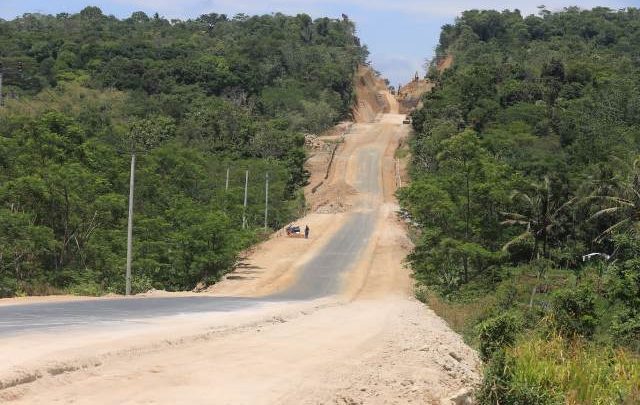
130	225
226	184
244	210
1	99
266	202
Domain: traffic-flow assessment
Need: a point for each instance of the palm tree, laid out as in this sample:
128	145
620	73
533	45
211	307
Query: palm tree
623	203
539	217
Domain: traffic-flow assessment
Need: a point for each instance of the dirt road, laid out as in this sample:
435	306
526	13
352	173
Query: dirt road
338	324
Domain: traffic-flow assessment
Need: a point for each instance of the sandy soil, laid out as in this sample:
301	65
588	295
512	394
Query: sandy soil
65	297
372	344
47	298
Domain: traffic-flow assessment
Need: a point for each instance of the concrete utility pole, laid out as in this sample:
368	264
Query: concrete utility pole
266	201
130	225
244	210
226	184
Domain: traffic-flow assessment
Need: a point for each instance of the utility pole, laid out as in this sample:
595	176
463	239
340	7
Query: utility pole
130	225
244	210
144	134
226	184
1	99
266	202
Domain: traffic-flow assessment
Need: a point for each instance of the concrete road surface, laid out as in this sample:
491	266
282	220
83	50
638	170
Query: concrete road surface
320	277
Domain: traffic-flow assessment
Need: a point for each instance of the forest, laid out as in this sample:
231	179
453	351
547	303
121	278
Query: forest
525	194
194	100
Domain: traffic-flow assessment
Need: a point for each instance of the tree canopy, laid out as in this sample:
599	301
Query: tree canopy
193	98
524	160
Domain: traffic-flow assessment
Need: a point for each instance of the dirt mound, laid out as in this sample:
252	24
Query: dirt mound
334	198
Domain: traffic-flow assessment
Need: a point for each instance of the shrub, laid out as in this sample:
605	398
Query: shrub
506	295
141	283
499	332
8	287
626	328
574	312
623	290
87	288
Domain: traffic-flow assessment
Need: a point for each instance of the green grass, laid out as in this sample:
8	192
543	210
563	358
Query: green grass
459	316
580	373
402	153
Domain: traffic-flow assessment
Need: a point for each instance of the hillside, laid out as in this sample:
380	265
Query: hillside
525	185
371	95
196	100
410	95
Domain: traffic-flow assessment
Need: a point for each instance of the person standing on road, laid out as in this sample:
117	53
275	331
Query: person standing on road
306	232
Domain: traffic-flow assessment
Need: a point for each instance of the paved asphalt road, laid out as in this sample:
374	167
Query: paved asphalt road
318	278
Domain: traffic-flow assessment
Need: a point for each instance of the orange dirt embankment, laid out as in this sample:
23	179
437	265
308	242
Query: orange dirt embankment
372	96
445	63
410	95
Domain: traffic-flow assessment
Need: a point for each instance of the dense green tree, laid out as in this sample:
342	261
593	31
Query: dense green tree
539	218
623	204
192	99
530	142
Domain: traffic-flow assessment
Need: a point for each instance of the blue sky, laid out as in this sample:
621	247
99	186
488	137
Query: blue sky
401	34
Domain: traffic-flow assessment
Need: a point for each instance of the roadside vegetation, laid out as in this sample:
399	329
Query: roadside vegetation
525	161
195	98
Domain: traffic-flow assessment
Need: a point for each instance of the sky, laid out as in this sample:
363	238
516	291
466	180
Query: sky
401	34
